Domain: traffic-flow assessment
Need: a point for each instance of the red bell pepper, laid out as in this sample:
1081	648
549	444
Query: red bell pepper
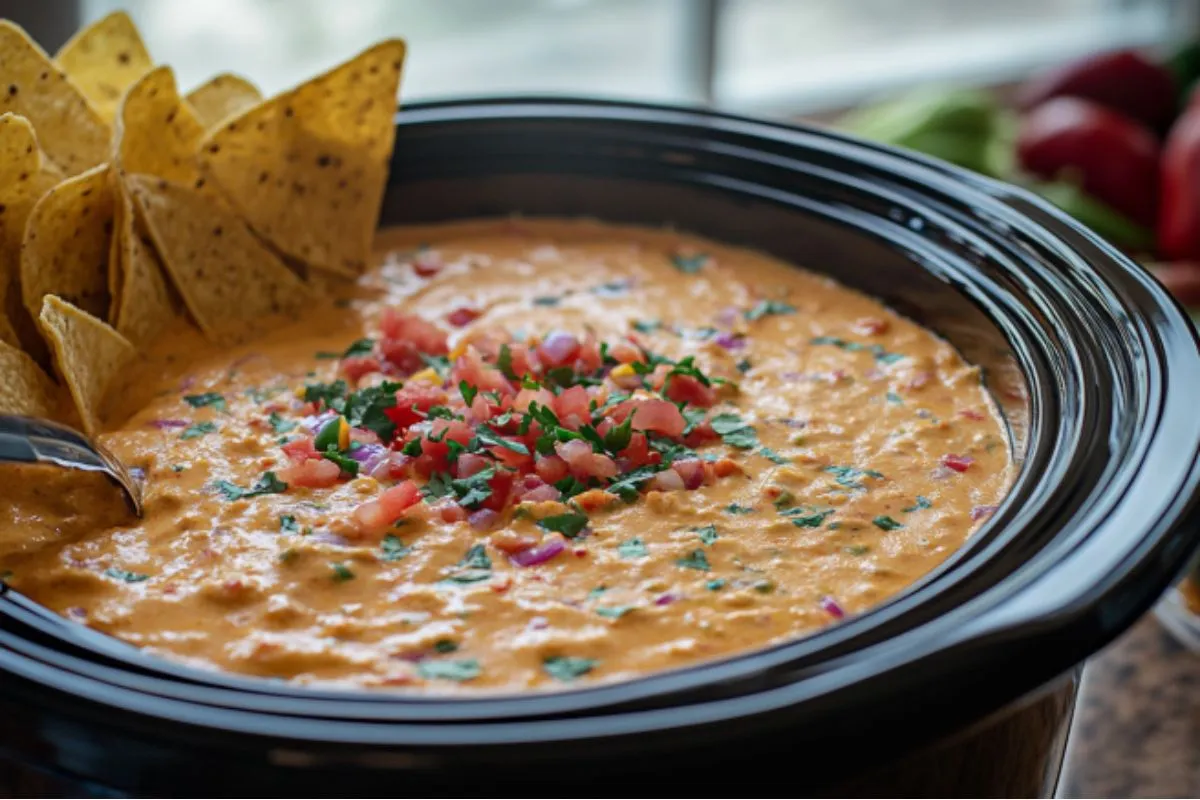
1112	158
1124	80
1179	196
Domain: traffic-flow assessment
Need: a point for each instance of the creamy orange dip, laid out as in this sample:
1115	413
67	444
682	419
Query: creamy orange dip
835	453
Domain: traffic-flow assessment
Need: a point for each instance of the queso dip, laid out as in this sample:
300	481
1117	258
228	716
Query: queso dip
521	455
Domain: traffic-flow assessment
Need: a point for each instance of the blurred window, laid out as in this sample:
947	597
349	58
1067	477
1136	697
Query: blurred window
769	56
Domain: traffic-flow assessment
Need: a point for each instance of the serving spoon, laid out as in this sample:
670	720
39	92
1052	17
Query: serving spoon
28	440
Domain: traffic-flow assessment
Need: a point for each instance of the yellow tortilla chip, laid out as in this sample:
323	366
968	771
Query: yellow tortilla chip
69	129
307	169
157	133
147	303
88	353
221	97
104	59
24	387
25	175
116	270
230	282
65	249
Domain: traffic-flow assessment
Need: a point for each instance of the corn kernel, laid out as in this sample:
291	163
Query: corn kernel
622	371
343	433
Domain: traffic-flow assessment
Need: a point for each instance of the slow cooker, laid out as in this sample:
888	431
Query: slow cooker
963	685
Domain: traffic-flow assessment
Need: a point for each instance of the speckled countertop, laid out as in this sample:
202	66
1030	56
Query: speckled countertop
1137	724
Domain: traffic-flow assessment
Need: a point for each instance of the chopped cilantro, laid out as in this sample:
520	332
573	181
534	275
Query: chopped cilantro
626	486
393	549
886	523
877	350
715	585
341	573
687	366
213	399
851	477
489	437
476	558
471	576
177	468
198	430
695	560
857	549
445	646
279	424
437	487
504	363
468	392
736	508
921	504
328	395
568	668
546	300
767	308
361	347
412	448
461	670
614	612
895	399
806	516
439	364
611	289
594	593
568	487
262	395
707	533
441	412
693	417
569	524
288	524
367	408
267	483
646	326
618	438
770	454
125	575
632	548
744	366
474	489
689	265
735	431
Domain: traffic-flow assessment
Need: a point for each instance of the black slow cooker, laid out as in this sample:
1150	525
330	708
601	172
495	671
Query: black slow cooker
961	686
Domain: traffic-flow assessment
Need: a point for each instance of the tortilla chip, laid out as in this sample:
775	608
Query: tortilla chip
308	168
71	132
230	282
104	59
88	353
24	387
221	97
65	249
116	270
25	175
147	303
157	133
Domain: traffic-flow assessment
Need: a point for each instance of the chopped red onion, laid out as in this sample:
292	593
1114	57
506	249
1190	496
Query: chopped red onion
730	341
540	554
542	493
482	519
727	315
666	599
369	455
314	423
832	608
169	424
979	512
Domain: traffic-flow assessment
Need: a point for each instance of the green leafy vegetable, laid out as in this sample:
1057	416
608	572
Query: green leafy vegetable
852	477
921	504
460	670
569	524
767	308
267	483
474	489
695	560
468	392
646	326
213	399
476	558
280	424
715	585
125	575
895	399
626	486
504	363
806	516
886	523
707	533
770	454
568	668
735	508
489	437
393	548
439	364
341	573
744	366
614	612
618	438
367	408
361	347
198	430
327	395
546	300
632	548
689	264
735	431
445	646
288	524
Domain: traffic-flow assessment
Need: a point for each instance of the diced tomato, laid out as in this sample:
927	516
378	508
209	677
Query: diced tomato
543	397
510	542
300	450
523	361
471	368
558	349
659	416
521	462
315	473
702	434
402	355
595	499
357	367
870	326
687	389
471	463
376	516
625	352
957	463
588	360
551	469
412	403
501	484
571	407
533	489
725	467
463	316
637	453
584	463
424	335
971	414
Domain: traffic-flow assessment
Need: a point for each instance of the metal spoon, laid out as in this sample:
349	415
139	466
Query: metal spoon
27	440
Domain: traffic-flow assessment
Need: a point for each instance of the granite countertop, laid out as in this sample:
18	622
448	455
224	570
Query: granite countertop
1137	723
